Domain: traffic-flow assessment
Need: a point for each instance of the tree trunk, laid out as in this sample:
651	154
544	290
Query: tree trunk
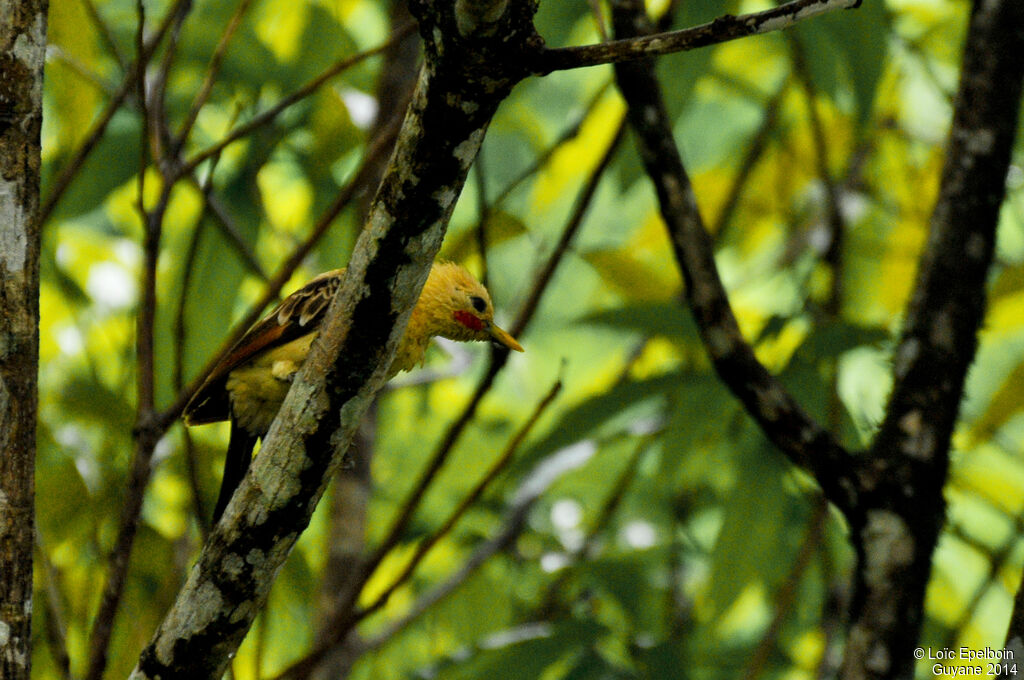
22	51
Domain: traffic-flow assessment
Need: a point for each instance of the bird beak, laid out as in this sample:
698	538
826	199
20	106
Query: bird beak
502	338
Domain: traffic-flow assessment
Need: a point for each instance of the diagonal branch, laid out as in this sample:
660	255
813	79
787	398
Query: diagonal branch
906	471
783	421
309	88
459	89
722	29
74	165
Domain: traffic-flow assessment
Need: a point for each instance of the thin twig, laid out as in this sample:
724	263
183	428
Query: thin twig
146	435
498	466
106	36
56	625
785	423
281	277
331	635
211	76
92	138
544	474
160	133
309	88
722	29
786	595
757	147
188	267
344	617
229	229
569	134
604	516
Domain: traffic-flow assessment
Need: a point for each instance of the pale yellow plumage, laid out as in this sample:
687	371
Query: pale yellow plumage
250	384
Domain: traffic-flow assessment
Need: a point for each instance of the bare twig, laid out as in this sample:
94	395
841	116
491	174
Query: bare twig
309	88
229	229
720	30
345	617
540	479
105	33
92	138
750	159
782	419
498	466
56	626
333	635
211	75
567	135
281	277
786	595
146	435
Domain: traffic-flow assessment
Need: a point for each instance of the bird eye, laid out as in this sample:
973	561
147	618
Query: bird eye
478	303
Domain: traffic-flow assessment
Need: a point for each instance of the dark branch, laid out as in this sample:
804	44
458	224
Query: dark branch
460	87
784	422
905	474
722	29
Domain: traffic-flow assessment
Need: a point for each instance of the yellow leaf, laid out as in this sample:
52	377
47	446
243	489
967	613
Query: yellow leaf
280	26
573	160
631	278
1007	401
75	98
501	226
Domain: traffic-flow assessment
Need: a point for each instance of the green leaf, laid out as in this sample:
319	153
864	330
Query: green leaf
848	49
113	161
605	411
748	549
668	319
540	646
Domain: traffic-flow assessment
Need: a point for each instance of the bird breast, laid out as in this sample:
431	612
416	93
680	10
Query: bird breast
259	386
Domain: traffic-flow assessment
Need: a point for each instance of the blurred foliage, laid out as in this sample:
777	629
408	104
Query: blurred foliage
681	538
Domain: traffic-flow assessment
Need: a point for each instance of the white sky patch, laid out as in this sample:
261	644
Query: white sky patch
566	514
128	252
63	254
639	535
70	340
549	470
1014	177
362	108
645	426
164	448
553	561
512	636
110	284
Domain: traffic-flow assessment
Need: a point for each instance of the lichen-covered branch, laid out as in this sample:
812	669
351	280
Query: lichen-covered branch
22	52
784	422
722	29
904	475
463	81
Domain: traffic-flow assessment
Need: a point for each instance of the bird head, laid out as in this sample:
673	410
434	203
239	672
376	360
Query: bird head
456	306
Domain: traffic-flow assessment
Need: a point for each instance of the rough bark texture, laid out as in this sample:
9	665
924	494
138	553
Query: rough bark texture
352	483
22	51
788	426
902	511
475	52
465	78
892	496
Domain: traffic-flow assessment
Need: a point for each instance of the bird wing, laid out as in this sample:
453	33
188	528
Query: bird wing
297	315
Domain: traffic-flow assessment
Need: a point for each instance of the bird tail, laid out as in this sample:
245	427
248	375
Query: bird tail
236	462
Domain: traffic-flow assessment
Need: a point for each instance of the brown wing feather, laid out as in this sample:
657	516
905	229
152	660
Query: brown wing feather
294	317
